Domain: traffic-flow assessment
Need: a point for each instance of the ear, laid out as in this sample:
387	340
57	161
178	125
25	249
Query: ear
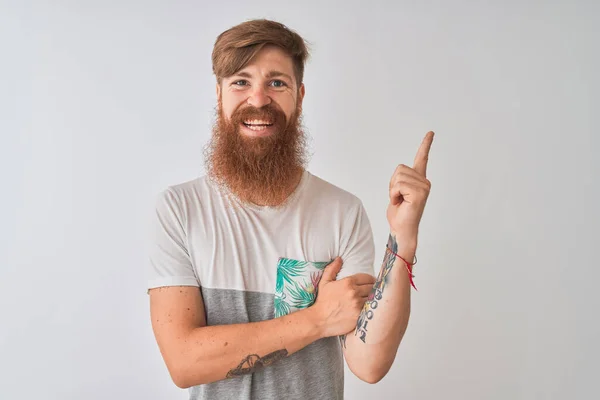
218	90
301	93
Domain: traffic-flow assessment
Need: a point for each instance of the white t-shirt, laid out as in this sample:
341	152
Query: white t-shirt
254	263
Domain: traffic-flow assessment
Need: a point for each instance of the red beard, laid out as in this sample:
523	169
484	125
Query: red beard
261	170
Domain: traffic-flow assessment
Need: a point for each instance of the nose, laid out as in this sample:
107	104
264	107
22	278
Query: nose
259	97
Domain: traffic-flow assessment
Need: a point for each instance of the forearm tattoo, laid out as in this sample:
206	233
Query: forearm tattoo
343	341
376	294
253	362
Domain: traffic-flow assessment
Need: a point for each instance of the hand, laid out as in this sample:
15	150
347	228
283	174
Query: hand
339	303
409	190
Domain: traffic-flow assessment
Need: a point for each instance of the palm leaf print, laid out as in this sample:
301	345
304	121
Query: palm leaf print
315	278
287	269
301	297
281	307
320	265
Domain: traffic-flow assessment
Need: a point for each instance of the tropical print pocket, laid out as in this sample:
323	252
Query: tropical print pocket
296	285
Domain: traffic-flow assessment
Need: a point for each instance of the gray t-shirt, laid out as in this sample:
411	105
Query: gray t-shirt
255	263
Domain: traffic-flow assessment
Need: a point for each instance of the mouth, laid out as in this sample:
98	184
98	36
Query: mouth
257	123
258	127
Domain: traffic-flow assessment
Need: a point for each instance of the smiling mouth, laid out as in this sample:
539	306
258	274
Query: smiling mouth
257	125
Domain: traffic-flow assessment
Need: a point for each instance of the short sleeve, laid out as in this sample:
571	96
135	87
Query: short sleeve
357	246
170	263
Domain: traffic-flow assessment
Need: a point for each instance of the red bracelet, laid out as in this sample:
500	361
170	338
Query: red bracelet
408	267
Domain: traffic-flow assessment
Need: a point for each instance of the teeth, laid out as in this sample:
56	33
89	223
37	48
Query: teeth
257	128
257	122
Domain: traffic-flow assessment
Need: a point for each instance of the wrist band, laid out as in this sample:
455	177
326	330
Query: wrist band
408	266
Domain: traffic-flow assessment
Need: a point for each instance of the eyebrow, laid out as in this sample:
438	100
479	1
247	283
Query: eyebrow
270	74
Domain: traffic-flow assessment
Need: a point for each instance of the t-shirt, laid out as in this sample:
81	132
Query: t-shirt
254	263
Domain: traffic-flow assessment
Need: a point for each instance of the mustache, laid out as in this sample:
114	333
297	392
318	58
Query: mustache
268	112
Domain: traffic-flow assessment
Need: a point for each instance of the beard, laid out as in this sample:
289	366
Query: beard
258	169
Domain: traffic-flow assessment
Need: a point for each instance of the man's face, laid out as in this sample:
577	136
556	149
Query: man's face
258	146
267	81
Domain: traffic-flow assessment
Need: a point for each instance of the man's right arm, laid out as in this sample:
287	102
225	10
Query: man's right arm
196	354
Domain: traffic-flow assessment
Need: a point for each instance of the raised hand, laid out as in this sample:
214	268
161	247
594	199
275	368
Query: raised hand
409	190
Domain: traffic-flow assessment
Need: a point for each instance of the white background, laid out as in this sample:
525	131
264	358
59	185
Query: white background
105	103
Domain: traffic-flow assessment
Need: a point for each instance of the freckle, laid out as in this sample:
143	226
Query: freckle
181	291
226	343
188	309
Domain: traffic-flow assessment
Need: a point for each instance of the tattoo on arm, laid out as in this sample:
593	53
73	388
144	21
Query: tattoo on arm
377	292
253	362
343	341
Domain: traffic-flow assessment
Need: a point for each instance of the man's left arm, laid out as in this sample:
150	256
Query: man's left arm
370	349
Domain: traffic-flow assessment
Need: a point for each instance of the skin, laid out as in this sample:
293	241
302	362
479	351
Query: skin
195	353
267	79
371	350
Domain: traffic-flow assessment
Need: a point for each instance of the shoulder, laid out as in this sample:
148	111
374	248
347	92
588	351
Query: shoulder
185	191
328	192
183	198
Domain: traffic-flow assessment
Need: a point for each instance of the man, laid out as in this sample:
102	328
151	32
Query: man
262	273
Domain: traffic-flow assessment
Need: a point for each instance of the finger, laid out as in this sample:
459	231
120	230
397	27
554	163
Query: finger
401	192
422	156
411	176
363	279
331	271
397	174
364	290
408	174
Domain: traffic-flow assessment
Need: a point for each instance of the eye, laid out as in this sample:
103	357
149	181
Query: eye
241	82
278	83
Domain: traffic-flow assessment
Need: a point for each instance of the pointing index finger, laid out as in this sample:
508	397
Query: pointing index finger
423	154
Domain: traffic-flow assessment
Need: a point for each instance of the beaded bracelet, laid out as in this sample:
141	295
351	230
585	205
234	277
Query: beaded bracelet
408	266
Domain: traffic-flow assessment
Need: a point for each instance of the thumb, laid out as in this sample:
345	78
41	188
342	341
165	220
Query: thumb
331	271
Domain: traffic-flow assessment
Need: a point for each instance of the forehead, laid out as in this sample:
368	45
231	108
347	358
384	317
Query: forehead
270	58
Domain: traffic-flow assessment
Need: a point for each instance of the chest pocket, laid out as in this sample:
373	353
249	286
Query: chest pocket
296	284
